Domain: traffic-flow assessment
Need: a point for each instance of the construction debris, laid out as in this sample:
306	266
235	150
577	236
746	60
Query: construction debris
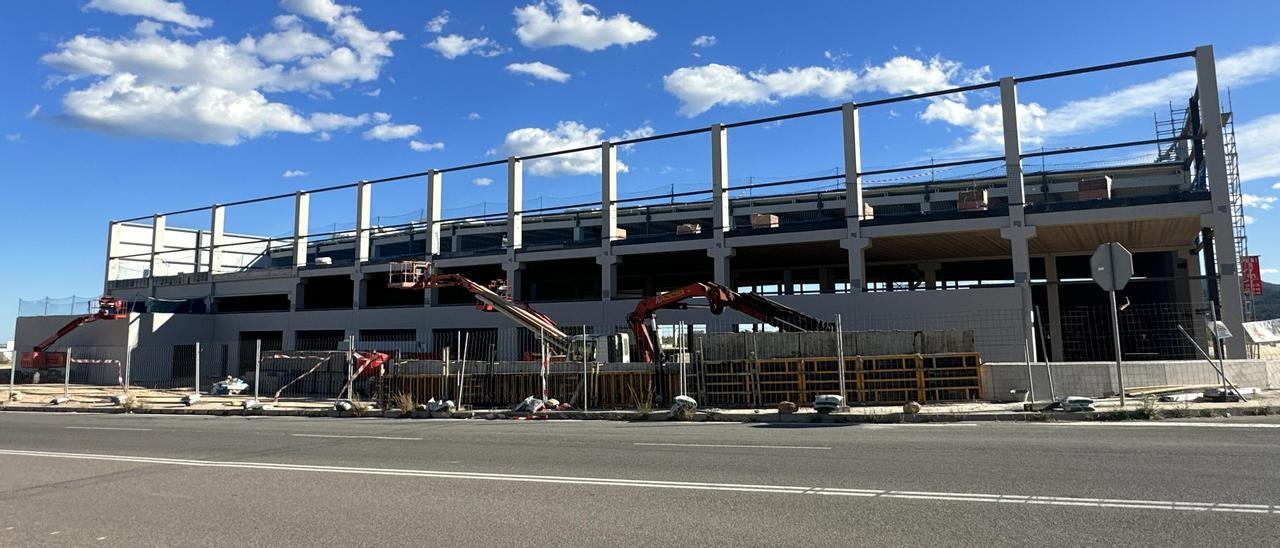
440	408
15	396
786	408
828	403
911	408
59	400
1076	404
683	408
230	386
189	399
530	405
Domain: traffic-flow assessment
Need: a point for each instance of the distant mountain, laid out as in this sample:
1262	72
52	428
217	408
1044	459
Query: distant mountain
1267	305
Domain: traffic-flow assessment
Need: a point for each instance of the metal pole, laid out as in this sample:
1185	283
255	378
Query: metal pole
257	366
840	358
586	391
1115	336
1221	372
1218	349
1044	351
13	370
462	370
128	365
197	379
351	363
66	377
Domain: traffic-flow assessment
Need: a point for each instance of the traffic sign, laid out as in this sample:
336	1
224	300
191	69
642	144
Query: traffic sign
1112	266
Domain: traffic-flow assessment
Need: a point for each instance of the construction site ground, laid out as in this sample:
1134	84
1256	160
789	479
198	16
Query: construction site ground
99	399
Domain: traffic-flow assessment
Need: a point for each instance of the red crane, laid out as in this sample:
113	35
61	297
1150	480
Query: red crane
109	308
718	297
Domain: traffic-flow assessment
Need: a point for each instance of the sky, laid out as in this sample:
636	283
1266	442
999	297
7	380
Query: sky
123	108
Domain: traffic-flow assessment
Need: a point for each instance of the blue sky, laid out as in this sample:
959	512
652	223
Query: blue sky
122	108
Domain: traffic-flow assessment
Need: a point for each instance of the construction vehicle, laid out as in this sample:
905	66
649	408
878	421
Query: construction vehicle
493	298
643	321
109	308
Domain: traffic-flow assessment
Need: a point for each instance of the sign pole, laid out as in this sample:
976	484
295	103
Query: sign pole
1115	336
1112	267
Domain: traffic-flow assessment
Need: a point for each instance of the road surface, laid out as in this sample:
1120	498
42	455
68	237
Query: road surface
150	480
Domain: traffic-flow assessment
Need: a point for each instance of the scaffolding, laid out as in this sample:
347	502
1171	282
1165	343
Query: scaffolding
1238	220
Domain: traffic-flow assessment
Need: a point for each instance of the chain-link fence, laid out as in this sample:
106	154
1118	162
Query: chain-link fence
59	306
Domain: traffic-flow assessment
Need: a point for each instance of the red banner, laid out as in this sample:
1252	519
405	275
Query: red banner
1251	275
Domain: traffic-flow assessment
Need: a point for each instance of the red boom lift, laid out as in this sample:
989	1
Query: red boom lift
108	309
785	318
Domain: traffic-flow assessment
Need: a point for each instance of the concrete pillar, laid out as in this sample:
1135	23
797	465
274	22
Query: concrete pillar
515	203
359	290
853	205
856	248
608	193
1017	233
301	223
720	257
515	279
788	280
1229	288
298	297
364	203
1054	315
721	218
608	275
826	280
113	249
217	238
157	247
435	190
930	270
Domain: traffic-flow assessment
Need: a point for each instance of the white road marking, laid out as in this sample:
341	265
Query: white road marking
1140	424
355	437
697	486
106	428
734	446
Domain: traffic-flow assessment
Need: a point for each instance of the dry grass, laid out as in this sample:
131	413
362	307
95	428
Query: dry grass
404	402
643	402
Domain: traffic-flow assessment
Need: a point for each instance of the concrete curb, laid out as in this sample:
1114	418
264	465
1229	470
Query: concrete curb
771	417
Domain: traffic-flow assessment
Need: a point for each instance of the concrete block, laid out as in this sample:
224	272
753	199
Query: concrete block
764	220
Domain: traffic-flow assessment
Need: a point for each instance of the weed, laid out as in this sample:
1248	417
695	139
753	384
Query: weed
131	403
643	402
404	402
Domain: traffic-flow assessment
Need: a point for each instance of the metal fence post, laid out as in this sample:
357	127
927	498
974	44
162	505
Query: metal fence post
13	370
197	379
128	364
586	390
351	355
66	377
844	395
257	367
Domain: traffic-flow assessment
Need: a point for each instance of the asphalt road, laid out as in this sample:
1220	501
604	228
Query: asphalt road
93	480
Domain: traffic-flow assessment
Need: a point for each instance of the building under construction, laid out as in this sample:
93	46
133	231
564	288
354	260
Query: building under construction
995	252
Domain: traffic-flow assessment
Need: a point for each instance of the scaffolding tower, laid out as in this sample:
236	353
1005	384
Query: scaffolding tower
1238	219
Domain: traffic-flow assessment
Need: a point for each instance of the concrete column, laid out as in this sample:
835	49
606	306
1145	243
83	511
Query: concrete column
788	280
157	247
853	205
217	238
826	280
301	222
1220	193
515	203
856	248
435	190
720	257
608	193
1054	315
359	290
1017	233
515	275
299	295
608	276
364	203
721	219
930	270
113	249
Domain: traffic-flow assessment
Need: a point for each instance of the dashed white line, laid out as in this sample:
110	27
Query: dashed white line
394	438
1131	504
733	446
107	428
1156	424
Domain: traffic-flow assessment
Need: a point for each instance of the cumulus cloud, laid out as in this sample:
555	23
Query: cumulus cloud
390	132
704	41
482	181
576	24
703	87
419	146
473	115
1258	143
437	23
567	134
453	46
539	70
289	174
1038	123
1257	202
14	138
215	90
160	10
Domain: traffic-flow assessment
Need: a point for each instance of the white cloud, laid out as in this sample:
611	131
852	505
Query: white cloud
1258	143
482	181
389	132
1257	202
147	27
373	93
700	88
473	116
1275	186
704	41
567	134
1038	123
453	46
14	137
539	70
419	146
1270	271
215	90
35	110
160	10
289	174
322	137
437	23
1248	220
578	25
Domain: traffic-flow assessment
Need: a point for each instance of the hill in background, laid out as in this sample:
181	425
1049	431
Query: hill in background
1267	305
